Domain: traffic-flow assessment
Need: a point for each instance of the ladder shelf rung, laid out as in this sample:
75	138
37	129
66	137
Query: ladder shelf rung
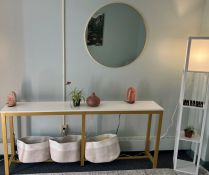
194	138
194	107
186	166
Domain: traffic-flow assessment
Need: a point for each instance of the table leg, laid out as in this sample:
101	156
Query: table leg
4	133
11	135
83	140
160	118
148	133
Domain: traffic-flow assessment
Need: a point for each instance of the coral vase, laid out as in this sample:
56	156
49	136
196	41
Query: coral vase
11	99
131	95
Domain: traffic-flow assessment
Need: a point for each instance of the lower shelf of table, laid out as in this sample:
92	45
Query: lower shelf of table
119	158
186	166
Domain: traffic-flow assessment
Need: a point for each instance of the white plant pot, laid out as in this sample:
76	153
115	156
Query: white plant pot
98	151
33	149
65	149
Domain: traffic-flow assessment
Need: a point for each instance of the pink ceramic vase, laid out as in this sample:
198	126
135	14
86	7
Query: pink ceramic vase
131	95
93	100
11	99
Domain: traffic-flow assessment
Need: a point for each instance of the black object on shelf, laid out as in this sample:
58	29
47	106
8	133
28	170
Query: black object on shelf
193	103
190	103
199	104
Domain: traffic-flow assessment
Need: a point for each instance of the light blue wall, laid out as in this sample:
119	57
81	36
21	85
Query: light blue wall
31	61
122	37
156	74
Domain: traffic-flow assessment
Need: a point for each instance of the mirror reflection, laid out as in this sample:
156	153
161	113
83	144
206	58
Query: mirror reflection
116	35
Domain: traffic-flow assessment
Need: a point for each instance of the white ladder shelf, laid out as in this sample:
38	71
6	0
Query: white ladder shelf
182	165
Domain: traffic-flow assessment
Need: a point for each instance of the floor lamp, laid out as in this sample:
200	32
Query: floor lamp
197	61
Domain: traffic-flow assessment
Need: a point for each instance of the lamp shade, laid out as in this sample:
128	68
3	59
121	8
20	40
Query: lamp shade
197	59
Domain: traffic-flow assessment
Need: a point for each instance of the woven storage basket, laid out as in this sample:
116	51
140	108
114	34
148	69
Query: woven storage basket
65	149
98	151
33	149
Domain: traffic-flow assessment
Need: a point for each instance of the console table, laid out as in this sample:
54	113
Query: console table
63	108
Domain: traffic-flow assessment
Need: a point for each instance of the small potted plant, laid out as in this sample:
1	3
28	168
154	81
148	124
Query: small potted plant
189	131
77	95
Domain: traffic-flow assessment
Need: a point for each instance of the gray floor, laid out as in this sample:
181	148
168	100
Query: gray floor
165	160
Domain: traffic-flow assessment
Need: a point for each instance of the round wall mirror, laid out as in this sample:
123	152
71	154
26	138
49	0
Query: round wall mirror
116	35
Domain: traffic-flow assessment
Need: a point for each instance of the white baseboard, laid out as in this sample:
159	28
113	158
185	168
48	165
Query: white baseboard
2	149
137	143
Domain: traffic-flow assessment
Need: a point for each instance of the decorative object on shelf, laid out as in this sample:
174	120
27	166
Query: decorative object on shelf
11	99
76	95
196	103
131	95
189	131
186	102
192	103
98	150
199	104
76	103
93	100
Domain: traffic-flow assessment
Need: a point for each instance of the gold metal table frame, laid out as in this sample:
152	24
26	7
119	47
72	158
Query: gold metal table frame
8	161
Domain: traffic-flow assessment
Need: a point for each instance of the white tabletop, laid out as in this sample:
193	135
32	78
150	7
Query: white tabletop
23	107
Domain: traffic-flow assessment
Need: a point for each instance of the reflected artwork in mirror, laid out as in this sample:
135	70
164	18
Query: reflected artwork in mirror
116	35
